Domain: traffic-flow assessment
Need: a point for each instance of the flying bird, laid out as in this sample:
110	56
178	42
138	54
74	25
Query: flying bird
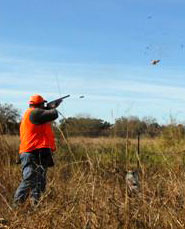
82	96
154	62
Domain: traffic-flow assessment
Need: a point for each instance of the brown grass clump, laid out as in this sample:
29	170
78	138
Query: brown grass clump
88	191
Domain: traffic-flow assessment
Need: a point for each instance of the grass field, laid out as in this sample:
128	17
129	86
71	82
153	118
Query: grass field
86	188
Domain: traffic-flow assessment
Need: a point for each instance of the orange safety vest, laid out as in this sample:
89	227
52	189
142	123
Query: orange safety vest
34	136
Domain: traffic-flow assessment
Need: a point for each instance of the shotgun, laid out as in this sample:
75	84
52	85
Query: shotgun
55	103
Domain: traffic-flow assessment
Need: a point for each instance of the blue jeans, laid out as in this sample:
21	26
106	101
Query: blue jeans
33	177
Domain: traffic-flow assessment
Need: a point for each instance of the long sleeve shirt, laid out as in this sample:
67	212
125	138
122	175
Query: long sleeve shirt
41	116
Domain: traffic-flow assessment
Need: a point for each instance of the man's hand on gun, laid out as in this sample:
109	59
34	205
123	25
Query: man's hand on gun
55	103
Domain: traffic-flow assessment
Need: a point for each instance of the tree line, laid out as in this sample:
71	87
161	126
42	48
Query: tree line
92	127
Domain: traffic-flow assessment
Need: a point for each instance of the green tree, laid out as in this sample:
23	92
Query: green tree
84	126
130	126
153	128
9	119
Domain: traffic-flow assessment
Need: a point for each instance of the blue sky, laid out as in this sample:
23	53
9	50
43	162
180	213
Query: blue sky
99	49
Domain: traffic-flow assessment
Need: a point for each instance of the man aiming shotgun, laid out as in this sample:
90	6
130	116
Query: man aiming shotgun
36	147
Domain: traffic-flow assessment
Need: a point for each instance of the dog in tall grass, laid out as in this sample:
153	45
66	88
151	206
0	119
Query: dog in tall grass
132	181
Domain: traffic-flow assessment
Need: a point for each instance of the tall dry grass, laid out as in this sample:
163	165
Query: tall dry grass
86	188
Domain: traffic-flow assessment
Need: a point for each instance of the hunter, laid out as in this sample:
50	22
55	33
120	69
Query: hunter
36	148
